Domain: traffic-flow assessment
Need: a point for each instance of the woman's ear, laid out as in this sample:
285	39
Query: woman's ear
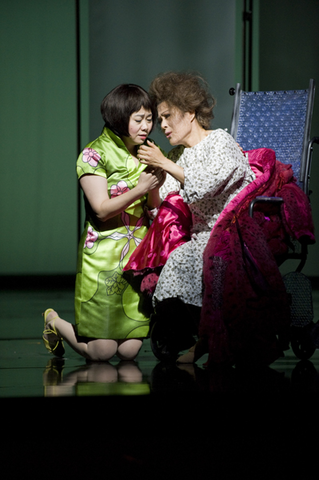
192	116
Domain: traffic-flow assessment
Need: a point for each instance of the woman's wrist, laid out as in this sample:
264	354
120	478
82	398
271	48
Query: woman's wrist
151	212
139	190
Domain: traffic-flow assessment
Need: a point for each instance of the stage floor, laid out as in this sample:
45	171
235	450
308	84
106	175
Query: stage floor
66	419
28	370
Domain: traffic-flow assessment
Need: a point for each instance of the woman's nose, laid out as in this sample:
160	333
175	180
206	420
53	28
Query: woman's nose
163	125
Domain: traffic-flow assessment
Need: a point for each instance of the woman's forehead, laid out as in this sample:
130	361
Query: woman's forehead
161	107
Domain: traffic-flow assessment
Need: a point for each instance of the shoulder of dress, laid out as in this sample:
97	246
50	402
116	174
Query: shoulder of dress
220	135
103	145
220	132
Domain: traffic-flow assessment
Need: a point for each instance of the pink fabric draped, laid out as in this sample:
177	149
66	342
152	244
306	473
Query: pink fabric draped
245	304
170	229
275	179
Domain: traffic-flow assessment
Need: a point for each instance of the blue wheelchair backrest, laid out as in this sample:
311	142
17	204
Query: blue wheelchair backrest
280	120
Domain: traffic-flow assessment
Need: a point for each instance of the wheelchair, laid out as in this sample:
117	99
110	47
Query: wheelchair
280	120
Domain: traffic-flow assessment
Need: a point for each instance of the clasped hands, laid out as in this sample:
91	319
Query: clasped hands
151	155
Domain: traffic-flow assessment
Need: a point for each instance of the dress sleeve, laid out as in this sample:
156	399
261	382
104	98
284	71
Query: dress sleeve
171	184
215	167
90	162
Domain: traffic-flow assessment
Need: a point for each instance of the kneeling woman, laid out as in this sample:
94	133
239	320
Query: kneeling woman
109	319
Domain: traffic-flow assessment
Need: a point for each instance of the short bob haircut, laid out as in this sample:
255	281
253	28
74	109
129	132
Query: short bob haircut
120	103
186	91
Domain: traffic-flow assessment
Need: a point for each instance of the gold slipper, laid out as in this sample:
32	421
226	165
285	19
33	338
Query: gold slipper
51	339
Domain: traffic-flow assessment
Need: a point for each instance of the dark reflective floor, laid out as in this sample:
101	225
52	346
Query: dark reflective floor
148	416
28	370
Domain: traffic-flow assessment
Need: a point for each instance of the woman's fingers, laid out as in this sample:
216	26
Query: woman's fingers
143	152
149	153
154	158
152	179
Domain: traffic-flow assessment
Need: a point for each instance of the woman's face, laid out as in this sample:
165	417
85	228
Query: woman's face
139	126
176	125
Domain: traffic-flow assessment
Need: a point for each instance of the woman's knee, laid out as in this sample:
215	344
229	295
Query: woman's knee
101	350
129	349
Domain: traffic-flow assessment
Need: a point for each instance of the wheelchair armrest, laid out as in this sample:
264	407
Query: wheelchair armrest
261	199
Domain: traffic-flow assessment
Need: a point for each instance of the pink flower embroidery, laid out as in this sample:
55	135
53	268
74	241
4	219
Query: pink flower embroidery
118	189
91	237
91	157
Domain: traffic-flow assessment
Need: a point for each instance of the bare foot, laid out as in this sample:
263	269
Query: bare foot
188	357
195	352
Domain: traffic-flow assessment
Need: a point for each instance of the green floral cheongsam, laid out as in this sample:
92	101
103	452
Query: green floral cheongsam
106	306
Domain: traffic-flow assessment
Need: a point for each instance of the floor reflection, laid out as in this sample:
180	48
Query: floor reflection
127	378
28	371
94	379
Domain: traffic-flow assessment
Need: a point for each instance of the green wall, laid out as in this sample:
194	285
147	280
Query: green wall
38	137
133	41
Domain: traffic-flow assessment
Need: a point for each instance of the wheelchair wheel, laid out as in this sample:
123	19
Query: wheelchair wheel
304	375
162	342
301	343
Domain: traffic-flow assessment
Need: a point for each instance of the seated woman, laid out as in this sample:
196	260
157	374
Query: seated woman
227	270
210	172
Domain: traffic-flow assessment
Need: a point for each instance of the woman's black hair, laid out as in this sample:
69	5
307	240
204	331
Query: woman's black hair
120	103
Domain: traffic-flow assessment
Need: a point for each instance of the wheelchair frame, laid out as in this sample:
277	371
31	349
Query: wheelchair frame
281	120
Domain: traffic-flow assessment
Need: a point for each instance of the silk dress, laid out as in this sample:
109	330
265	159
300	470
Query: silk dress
106	306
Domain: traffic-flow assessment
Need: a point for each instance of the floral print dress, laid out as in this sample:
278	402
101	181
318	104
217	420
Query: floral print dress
106	306
215	172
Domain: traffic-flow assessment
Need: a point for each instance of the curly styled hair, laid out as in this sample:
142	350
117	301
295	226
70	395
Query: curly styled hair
186	91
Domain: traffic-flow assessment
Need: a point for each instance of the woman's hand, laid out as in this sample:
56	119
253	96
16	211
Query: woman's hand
160	174
151	155
151	179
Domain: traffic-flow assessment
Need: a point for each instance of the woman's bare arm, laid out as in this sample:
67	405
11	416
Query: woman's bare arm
95	189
